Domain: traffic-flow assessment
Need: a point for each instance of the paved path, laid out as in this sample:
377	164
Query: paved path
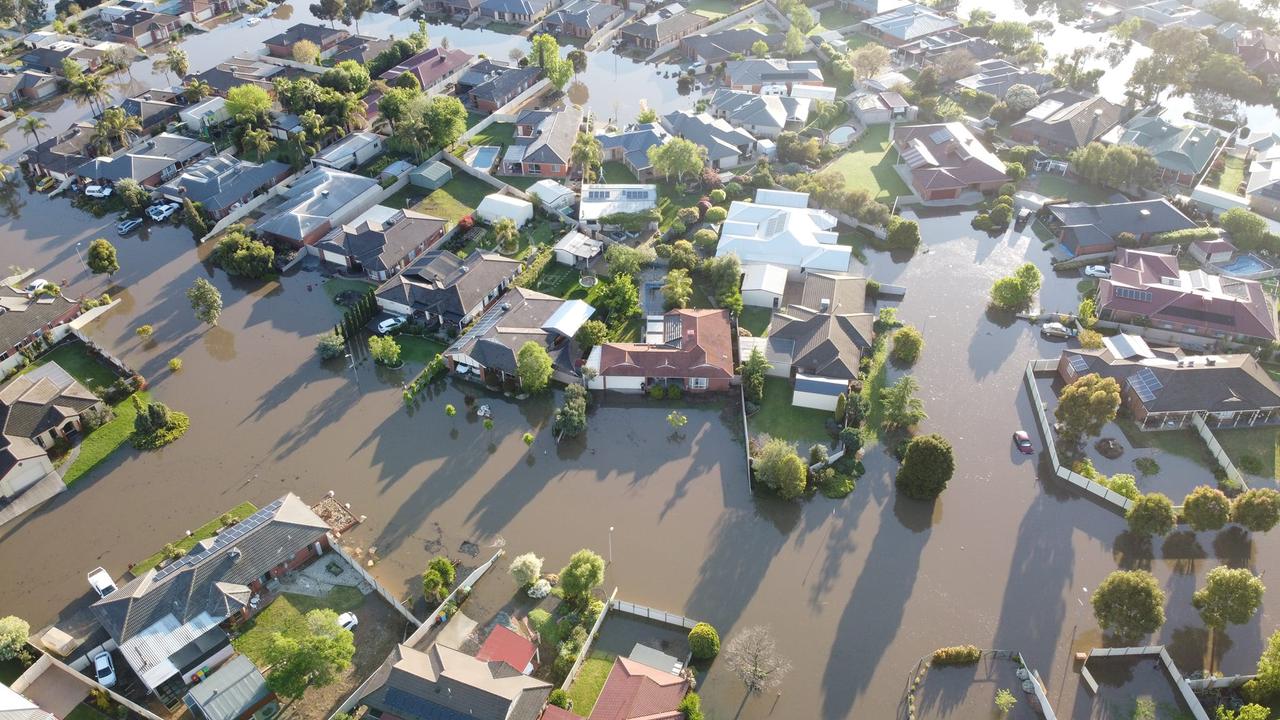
35	495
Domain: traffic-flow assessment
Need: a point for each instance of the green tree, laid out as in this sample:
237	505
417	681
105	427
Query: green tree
760	48
354	10
578	60
801	18
1206	508
587	154
1247	229
306	52
174	61
445	118
900	407
927	467
331	10
330	346
102	257
584	573
716	215
904	234
194	217
1016	291
14	632
347	76
617	297
778	467
312	655
624	260
1129	604
1087	312
591	334
205	300
239	254
908	343
533	367
704	641
507	235
677	291
683	256
1230	596
793	44
1257	509
1151	514
647	115
1086	405
1265	688
868	60
247	101
571	417
753	371
32	125
677	157
526	569
384	350
1246	712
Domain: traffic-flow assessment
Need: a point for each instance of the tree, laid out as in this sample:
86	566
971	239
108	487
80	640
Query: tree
647	115
927	467
1230	596
584	573
677	157
306	52
384	350
778	467
114	127
507	234
1247	229
32	125
571	417
13	636
683	256
194	217
240	254
753	656
1017	290
704	641
102	257
395	103
526	569
677	419
1206	508
587	154
1021	98
1266	686
330	345
868	60
715	215
354	10
445	118
1151	514
247	101
793	42
1086	405
258	142
331	10
1246	712
1005	701
901	408
205	300
175	61
706	238
1117	166
753	371
1257	509
1129	604
759	48
907	344
591	334
312	655
533	367
578	60
677	291
617	297
624	260
132	194
801	18
144	331
346	77
903	233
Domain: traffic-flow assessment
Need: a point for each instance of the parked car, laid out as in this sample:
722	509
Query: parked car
101	582
391	323
1024	215
97	191
163	211
127	226
104	669
1023	442
1057	329
348	621
35	286
1097	271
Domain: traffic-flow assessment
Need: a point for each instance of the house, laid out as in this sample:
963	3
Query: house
504	645
381	241
325	38
871	8
1262	187
780	229
516	12
318	201
1260	52
726	146
754	74
1149	288
1163	14
58	156
883	108
361	48
1088	229
552	194
151	162
635	691
907	24
631	147
488	350
929	49
1163	388
441	288
457	8
38	410
223	182
144	28
717	47
1212	252
1065	120
764	116
501	87
350	152
496	206
577	250
946	161
694	352
26	319
996	75
49	58
598	202
205	114
240	71
432	67
1182	152
154	108
28	85
284	126
581	18
169	622
662	26
763	285
446	683
543	142
888	81
431	175
202	10
235	691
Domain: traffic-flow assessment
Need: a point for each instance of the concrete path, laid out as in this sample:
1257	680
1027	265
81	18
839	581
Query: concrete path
36	495
316	580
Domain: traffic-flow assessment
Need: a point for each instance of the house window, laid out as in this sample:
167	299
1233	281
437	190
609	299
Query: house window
697	383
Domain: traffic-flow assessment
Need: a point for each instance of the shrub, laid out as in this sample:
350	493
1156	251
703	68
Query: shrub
144	331
691	706
526	569
558	697
716	215
13	636
1147	466
1206	508
155	425
175	364
239	254
674	392
927	467
957	655
330	346
658	392
717	196
1257	509
777	466
1251	464
1151	514
907	345
836	485
851	439
704	641
817	454
1122	484
705	238
385	350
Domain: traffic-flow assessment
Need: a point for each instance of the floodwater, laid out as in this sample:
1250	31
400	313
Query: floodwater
856	590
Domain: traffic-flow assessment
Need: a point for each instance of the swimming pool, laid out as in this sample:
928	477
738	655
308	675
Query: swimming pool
484	156
1246	264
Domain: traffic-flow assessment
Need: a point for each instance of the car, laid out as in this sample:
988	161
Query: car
1057	329
348	621
391	323
1023	442
101	582
104	669
35	286
1023	216
127	226
163	211
1097	271
97	191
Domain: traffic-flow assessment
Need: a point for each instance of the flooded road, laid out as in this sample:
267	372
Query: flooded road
856	590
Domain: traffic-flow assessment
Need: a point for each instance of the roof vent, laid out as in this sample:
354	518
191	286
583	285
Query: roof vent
1179	363
235	554
506	307
1145	213
1211	360
463	268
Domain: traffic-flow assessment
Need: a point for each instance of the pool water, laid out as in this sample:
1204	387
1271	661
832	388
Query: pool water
1245	265
484	157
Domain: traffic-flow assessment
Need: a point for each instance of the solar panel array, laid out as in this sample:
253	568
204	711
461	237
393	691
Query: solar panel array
1078	364
407	703
224	538
1145	384
483	326
1131	294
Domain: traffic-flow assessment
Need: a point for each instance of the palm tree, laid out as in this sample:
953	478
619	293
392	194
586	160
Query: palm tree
88	89
114	126
506	234
414	133
258	141
32	125
175	61
196	90
587	153
352	114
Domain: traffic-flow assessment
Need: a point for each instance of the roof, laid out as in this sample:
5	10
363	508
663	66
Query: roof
1093	225
348	147
826	333
634	143
665	24
504	645
1217	245
517	7
322	36
14	706
137	21
764	277
504	84
229	691
769	111
996	75
551	192
634	691
585	14
146	159
430	66
441	284
1184	149
946	155
780	229
24	316
522	315
720	138
240	70
720	46
382	244
764	71
447	684
601	200
1069	118
222	180
361	48
699	344
34	403
312	200
499	205
579	245
910	22
554	132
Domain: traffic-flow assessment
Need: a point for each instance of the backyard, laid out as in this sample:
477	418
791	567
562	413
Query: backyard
868	162
755	320
454	200
714	9
1056	186
778	418
616	172
1253	450
334	287
586	687
207	530
1232	175
286	615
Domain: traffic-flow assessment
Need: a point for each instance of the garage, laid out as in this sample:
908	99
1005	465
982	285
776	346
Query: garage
817	393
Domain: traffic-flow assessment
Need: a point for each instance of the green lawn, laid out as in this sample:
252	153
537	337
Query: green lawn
1232	175
207	530
777	417
714	9
756	320
1262	443
629	332
836	17
1055	186
84	712
474	118
616	172
74	357
418	350
336	286
524	182
286	614
868	163
99	444
495	134
586	687
455	199
561	281
875	381
671	198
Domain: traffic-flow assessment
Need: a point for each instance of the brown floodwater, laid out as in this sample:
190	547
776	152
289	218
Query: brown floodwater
855	590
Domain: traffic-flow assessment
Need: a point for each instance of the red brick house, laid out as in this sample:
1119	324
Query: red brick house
635	691
693	351
946	160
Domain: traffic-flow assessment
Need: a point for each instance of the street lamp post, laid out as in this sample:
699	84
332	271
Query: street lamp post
610	544
352	366
81	257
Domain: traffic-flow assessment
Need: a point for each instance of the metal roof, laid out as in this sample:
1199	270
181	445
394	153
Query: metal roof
148	652
230	691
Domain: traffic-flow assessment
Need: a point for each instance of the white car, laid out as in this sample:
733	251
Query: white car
348	621
98	191
1057	329
101	582
391	323
104	669
160	213
35	286
1097	271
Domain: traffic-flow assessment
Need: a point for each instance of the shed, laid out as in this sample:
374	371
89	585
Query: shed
763	285
1212	252
204	114
497	206
576	249
431	175
234	691
552	194
395	170
818	393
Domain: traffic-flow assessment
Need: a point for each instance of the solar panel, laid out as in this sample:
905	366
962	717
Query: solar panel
1131	294
1078	364
223	539
1145	384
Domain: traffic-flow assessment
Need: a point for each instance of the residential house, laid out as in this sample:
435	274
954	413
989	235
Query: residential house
350	152
631	147
49	58
459	9
636	691
581	18
516	12
488	349
441	288
202	10
996	75
662	27
17	706
25	320
1162	14
888	81
552	194
727	146
361	48
496	206
154	108
222	183
325	38
59	155
1212	252
577	250
1260	52
754	74
1163	388
764	116
694	352
433	68
381	242
543	142
1182	152
1065	120
871	8
318	201
1089	229
446	683
907	24
26	86
242	71
169	622
38	410
151	162
721	46
928	49
598	202
205	114
1149	288
235	691
144	28
780	229
883	108
501	86
946	161
1263	185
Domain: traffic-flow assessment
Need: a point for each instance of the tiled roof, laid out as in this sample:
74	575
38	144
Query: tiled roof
220	181
554	134
505	85
635	691
721	46
699	345
429	66
446	684
1070	118
826	342
519	316
634	143
586	14
946	155
1090	225
910	22
504	645
1184	149
322	36
382	246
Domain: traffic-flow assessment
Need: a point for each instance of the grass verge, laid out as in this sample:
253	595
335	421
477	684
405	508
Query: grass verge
99	444
207	530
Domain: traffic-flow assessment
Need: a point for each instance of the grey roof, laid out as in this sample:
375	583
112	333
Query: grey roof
322	36
634	143
665	24
1070	118
517	7
518	317
826	343
997	75
441	283
746	108
910	22
586	14
240	70
348	147
222	180
718	136
229	691
554	134
504	85
447	684
720	46
1181	148
153	107
763	71
188	587
361	48
1090	224
146	159
312	200
24	316
32	404
383	246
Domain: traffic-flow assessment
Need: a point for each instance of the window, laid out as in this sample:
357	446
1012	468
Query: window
697	383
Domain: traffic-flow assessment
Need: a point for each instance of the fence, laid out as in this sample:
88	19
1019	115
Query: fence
586	646
377	586
649	613
746	436
1215	449
117	362
1184	689
1216	683
923	665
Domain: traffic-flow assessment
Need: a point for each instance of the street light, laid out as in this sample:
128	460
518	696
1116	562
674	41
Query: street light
82	262
610	544
352	367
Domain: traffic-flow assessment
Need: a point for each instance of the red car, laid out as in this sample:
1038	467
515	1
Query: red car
1023	441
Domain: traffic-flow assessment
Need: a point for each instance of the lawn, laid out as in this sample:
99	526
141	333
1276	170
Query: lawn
524	182
74	357
455	199
1232	175
286	614
84	712
714	9
207	530
1261	443
418	350
629	332
755	320
1056	186
99	444
561	281
586	686
474	118
876	379
333	287
868	163
836	17
495	134
616	172
671	198
778	418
